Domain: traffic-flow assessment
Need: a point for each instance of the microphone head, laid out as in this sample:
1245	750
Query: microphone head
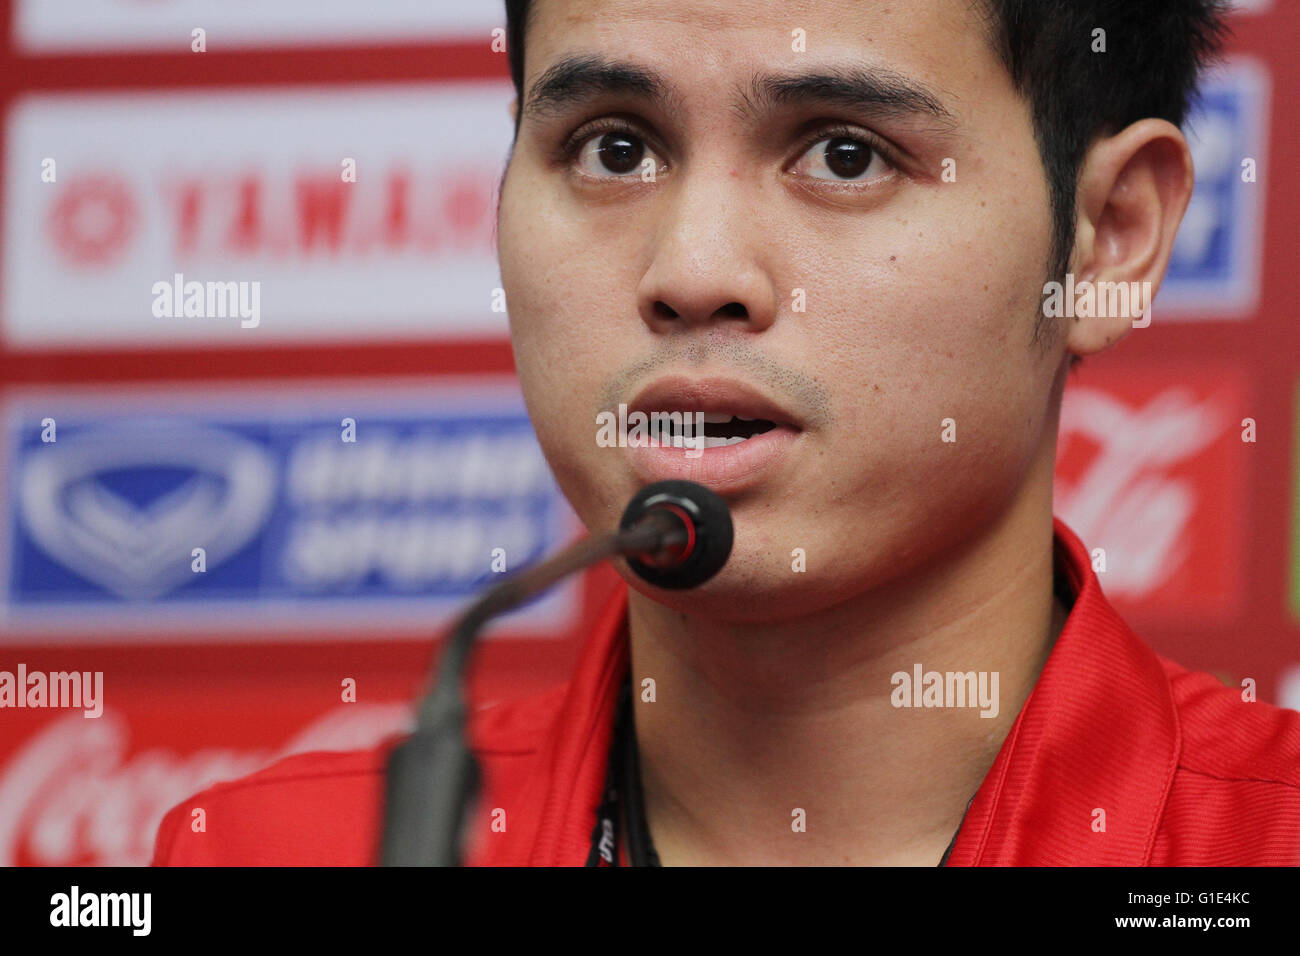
713	532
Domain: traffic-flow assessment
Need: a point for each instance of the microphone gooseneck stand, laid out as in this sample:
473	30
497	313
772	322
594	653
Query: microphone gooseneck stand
675	534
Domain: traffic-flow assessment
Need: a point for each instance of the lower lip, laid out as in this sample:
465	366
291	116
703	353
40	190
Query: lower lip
723	469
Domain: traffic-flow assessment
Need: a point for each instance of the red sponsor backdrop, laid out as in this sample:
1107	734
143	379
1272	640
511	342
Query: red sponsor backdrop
1154	428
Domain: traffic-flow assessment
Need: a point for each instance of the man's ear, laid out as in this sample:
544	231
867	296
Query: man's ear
514	110
1134	187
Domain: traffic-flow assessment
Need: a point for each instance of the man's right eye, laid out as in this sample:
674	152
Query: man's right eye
613	152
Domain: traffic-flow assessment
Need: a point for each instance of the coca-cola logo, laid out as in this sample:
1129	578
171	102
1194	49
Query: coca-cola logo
71	796
1139	486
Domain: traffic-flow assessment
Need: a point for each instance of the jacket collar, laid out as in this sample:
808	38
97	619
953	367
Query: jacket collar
1097	735
1096	741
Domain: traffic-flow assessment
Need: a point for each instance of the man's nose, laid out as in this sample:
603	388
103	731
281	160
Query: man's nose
709	262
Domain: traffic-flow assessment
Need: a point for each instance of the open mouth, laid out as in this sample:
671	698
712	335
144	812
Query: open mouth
720	429
706	417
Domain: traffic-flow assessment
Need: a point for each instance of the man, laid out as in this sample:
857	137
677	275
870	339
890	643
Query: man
829	227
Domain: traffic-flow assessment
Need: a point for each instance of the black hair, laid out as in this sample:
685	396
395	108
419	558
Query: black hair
1154	53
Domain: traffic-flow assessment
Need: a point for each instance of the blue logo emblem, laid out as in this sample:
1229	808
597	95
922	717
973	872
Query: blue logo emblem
1215	266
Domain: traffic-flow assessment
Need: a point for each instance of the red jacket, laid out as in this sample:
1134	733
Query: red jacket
1187	772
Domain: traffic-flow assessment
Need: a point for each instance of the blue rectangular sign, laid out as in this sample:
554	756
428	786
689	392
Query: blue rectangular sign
332	507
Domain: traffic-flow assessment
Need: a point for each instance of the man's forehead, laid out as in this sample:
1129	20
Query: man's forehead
724	14
823	22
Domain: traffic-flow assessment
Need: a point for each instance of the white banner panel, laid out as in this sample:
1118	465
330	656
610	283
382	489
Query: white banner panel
105	26
232	217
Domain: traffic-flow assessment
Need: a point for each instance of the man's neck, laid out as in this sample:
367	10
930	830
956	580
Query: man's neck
780	743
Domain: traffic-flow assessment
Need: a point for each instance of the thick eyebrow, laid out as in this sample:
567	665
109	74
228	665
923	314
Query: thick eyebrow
586	77
870	90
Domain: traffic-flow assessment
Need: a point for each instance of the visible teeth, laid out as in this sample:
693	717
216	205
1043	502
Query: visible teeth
716	418
709	441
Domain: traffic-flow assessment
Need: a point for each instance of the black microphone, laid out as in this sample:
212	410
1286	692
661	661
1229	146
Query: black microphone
674	534
707	521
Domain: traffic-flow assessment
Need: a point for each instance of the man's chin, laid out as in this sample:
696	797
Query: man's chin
736	597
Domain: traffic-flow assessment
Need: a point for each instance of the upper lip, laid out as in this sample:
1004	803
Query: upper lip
677	393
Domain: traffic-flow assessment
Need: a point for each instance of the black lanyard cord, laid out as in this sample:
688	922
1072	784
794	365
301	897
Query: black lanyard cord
604	836
622	790
640	848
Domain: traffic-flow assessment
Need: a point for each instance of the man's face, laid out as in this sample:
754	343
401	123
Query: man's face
867	269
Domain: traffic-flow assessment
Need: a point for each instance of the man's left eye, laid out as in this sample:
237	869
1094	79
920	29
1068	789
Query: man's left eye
844	159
